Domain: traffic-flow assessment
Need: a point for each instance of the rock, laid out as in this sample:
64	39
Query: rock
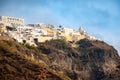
91	60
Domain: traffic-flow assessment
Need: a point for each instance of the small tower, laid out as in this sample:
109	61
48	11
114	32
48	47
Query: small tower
81	30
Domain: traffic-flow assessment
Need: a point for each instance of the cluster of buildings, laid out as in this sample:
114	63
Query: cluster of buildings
40	32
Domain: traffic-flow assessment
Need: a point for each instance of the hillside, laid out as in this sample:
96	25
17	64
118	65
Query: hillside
89	60
16	63
58	60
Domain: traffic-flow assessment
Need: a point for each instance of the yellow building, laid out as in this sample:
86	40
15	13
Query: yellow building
76	38
44	38
50	31
2	27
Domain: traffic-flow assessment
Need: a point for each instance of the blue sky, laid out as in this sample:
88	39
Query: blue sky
100	18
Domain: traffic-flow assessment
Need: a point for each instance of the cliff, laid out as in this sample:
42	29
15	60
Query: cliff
88	60
17	63
58	60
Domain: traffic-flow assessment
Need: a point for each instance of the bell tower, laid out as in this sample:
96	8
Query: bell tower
81	30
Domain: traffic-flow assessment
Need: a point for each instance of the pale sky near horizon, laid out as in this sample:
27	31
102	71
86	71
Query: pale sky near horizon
100	18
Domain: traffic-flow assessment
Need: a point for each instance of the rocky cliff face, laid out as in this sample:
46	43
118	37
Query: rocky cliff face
89	60
57	59
17	63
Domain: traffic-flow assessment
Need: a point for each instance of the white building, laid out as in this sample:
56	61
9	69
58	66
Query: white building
38	25
38	32
68	31
11	21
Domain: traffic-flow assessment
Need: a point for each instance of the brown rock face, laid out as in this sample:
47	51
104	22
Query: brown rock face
15	64
90	60
57	59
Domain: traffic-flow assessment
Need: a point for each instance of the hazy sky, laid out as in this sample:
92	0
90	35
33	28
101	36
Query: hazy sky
100	18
